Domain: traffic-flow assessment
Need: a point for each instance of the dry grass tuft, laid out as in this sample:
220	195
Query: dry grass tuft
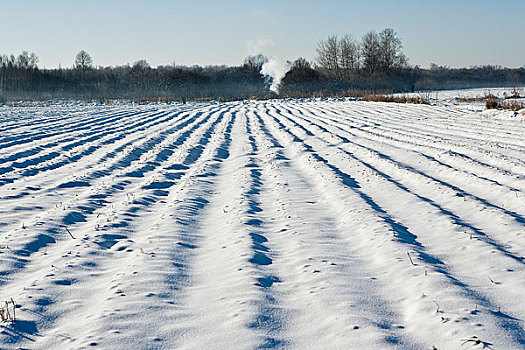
515	93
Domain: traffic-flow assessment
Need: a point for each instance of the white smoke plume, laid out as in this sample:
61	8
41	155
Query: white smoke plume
274	69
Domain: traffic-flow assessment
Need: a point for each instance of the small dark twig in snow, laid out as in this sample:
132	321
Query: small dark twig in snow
474	340
14	309
437	310
410	259
69	233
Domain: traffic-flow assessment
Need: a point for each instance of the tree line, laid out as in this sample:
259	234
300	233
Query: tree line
375	53
343	66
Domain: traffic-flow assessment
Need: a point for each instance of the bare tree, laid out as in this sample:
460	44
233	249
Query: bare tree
27	60
391	56
301	63
348	54
139	71
255	62
328	54
140	66
83	61
371	52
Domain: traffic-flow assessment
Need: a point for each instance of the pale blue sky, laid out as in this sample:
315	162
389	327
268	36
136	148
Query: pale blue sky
114	32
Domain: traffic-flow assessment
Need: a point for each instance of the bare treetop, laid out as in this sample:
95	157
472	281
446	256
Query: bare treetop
83	61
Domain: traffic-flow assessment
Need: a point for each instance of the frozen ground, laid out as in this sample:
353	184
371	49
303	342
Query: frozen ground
280	224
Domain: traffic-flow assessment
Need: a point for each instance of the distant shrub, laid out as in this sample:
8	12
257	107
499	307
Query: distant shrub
203	99
516	93
513	105
148	100
494	103
471	99
397	99
489	95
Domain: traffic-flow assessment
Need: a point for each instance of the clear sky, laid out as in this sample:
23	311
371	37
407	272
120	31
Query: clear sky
447	32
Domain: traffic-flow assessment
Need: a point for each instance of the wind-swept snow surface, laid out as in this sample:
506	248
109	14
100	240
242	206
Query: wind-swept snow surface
280	224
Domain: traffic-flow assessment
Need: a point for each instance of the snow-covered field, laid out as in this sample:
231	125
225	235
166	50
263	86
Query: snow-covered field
277	224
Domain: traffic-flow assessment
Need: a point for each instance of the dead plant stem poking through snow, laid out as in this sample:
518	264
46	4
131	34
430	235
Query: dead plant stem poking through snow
8	311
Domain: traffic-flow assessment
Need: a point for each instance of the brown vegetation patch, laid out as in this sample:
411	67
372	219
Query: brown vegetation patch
504	104
397	99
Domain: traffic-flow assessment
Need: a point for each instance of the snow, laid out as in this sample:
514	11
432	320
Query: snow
294	224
